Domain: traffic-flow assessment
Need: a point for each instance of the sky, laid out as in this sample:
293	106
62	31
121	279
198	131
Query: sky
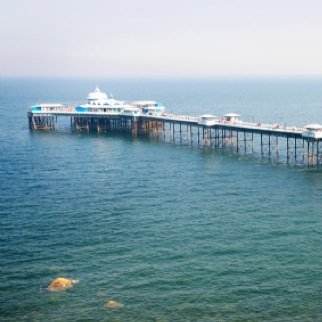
160	38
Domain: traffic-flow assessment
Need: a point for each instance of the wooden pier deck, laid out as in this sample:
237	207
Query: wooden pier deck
282	144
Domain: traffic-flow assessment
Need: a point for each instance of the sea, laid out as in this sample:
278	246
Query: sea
172	232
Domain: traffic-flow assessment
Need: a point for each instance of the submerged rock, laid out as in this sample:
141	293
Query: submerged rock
60	284
113	304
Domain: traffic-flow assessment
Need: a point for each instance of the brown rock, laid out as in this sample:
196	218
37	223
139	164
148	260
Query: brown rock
113	304
60	284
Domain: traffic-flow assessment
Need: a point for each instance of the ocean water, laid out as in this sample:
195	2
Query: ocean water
173	233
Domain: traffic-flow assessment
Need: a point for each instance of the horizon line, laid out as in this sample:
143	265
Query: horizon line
160	77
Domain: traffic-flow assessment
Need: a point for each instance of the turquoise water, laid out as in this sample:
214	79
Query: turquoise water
173	233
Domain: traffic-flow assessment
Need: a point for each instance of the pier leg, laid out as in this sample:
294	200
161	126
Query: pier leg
303	150
210	138
308	153
287	150
277	149
134	127
222	138
163	129
245	143
237	141
216	138
30	122
198	135
173	132
317	154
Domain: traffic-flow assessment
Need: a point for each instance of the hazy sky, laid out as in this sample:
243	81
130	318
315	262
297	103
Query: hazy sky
144	38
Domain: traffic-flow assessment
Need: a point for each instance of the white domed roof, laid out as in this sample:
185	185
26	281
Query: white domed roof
96	95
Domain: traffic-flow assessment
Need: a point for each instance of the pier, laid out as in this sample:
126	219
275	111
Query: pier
228	134
231	135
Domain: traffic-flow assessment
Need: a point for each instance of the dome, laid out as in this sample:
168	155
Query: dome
97	95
